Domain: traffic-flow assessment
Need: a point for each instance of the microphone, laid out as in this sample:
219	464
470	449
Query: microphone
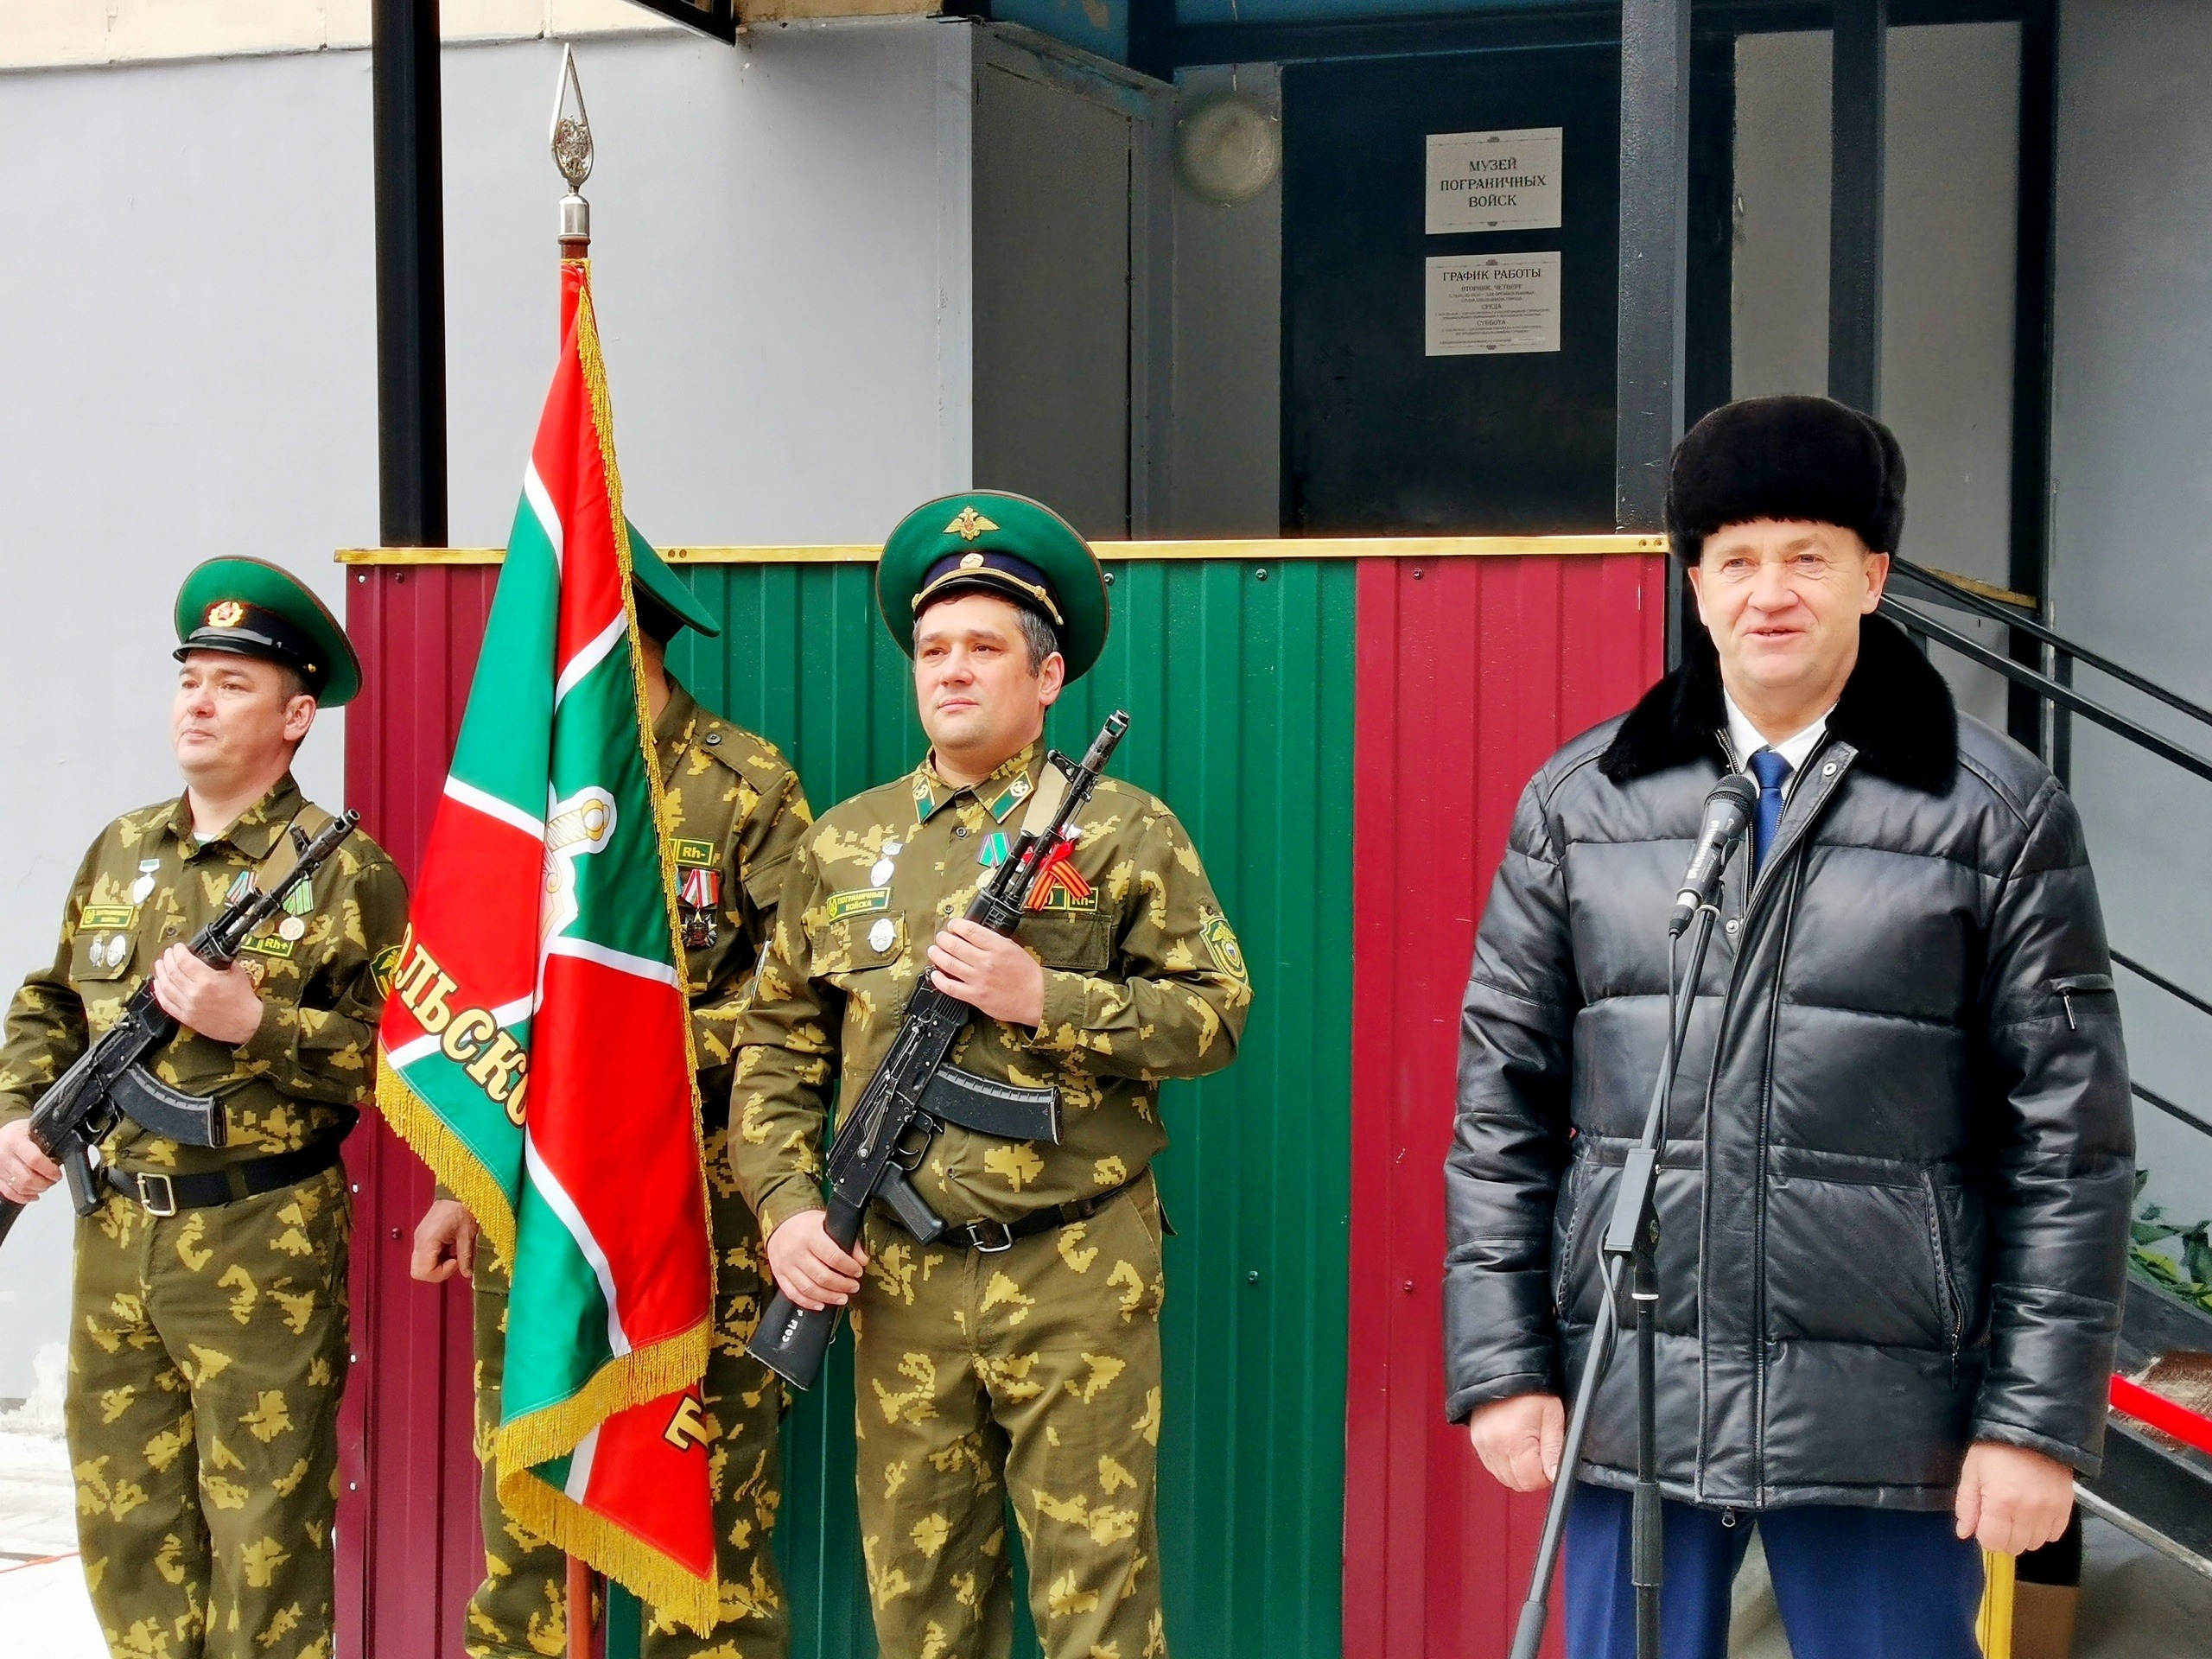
1727	815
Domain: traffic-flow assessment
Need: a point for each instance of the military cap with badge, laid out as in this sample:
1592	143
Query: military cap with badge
993	542
250	607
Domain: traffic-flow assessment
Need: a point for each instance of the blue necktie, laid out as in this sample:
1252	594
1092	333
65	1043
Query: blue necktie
1770	769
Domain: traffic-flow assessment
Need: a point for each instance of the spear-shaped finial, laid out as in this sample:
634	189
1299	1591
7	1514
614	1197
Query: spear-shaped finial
571	144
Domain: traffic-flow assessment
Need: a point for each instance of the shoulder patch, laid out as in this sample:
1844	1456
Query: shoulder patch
1222	946
856	901
383	969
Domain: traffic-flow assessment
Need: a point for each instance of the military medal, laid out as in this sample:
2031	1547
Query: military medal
142	888
700	893
993	850
881	875
291	929
240	886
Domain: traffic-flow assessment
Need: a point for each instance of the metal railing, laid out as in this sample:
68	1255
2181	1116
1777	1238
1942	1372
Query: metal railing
2056	689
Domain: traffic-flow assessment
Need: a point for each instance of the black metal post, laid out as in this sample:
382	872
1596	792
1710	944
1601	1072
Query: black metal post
2033	286
1858	95
1654	255
411	274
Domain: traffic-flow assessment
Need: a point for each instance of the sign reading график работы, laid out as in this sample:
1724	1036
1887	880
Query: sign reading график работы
1494	180
1485	303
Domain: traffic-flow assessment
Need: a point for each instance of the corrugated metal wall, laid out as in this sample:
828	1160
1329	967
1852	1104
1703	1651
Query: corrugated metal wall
1240	678
1471	672
408	1555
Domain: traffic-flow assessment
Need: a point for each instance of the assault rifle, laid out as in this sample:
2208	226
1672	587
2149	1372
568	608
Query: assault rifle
110	1081
887	1132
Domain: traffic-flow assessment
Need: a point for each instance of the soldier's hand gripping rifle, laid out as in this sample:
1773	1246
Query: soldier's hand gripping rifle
110	1081
887	1132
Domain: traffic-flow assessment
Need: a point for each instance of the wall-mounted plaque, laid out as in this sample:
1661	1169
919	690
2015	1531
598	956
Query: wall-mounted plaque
1494	180
1487	304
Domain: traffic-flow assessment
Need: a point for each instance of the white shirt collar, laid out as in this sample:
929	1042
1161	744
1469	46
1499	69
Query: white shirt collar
1743	737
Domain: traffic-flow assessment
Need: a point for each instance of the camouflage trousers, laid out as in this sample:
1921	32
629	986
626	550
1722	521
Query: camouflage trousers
1031	1373
520	1611
207	1353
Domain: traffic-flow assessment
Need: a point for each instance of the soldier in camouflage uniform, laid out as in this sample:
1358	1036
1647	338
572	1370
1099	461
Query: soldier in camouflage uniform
735	810
208	1326
1020	1355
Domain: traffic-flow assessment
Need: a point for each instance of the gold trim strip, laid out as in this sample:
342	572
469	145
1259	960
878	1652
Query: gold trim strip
1313	547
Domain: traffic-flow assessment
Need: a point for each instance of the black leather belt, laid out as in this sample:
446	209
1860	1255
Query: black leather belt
992	1237
162	1194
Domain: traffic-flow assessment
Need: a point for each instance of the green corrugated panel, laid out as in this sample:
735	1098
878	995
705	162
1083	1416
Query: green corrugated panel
1239	680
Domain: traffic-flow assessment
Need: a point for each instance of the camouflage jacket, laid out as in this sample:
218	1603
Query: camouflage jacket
734	813
322	969
1143	982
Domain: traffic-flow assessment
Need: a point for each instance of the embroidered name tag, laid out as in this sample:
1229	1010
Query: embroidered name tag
697	854
268	945
99	916
858	902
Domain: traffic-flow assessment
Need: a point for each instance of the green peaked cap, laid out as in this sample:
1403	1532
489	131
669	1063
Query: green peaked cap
988	541
250	607
662	585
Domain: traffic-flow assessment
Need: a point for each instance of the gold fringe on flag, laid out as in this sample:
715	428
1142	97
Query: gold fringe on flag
652	1372
666	1587
456	1168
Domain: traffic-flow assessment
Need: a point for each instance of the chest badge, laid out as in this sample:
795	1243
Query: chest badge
879	876
292	930
109	952
141	889
881	936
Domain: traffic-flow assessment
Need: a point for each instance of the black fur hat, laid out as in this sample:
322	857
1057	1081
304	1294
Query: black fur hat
1788	458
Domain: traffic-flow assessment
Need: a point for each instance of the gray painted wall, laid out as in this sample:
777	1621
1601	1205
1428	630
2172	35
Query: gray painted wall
1949	209
1226	477
783	278
2132	500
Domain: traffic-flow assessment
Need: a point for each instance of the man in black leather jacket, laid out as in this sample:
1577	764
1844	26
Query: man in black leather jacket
1894	1196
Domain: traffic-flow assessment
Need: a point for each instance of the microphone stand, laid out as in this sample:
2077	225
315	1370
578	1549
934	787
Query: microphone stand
1630	1250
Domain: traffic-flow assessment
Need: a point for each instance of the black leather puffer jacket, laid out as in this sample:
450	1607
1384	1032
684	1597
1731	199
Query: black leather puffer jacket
1894	1197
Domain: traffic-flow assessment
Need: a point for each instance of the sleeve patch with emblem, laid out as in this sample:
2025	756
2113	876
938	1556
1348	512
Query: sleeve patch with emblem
382	968
1222	946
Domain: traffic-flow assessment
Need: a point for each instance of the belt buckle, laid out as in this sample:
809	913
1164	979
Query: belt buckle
145	1182
976	1235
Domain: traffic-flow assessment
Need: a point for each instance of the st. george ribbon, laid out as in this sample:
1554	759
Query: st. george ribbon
1631	1252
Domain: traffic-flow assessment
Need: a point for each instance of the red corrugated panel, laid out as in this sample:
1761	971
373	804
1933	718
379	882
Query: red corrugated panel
408	1550
1471	672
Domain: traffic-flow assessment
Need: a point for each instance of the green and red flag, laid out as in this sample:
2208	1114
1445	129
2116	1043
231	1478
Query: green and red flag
535	1049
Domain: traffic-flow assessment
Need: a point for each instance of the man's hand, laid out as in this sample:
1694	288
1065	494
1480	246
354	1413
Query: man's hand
2013	1500
989	972
25	1172
221	1004
809	1267
445	1243
1518	1439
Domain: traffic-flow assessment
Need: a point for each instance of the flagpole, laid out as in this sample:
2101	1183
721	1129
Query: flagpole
572	154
